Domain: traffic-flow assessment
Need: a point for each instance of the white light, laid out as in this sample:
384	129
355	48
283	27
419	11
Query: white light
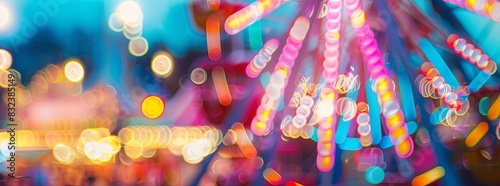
74	71
4	16
325	108
138	46
130	12
92	150
162	65
115	22
5	59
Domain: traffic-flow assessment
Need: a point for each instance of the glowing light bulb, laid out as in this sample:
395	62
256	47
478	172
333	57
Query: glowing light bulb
74	71
130	12
162	65
4	16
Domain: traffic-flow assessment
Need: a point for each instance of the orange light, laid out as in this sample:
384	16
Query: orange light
243	141
324	163
272	176
428	177
213	37
398	133
395	121
494	110
221	86
477	134
405	148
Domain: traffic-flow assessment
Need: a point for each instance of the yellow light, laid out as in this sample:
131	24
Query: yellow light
395	121
405	148
386	96
259	127
366	141
74	71
4	78
64	154
153	107
477	134
5	58
429	176
383	85
358	18
133	151
494	110
113	142
272	176
162	65
324	163
398	133
126	135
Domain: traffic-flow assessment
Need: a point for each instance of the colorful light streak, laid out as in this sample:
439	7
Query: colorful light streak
274	91
486	8
339	93
221	86
249	15
394	119
429	176
259	62
213	38
476	134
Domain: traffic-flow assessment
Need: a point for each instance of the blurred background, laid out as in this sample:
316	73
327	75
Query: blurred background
249	92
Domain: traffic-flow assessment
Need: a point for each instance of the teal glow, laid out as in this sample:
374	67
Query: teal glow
264	78
483	106
374	175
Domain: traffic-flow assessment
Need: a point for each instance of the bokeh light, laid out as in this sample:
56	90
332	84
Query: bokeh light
162	64
4	16
74	71
249	92
153	107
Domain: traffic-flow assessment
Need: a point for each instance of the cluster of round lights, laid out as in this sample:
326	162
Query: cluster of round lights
289	130
364	127
300	91
474	55
259	62
96	144
187	142
489	9
394	118
325	107
303	111
149	137
261	123
129	20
